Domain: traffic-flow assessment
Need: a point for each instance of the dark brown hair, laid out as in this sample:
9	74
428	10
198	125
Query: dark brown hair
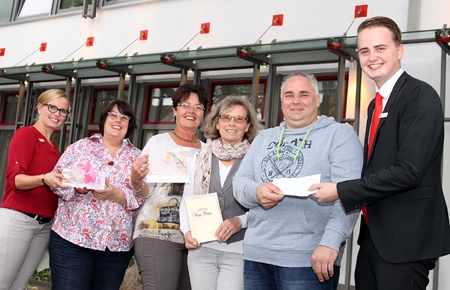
125	109
183	92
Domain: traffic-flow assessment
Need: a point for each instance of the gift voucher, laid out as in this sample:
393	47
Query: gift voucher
167	167
84	176
204	216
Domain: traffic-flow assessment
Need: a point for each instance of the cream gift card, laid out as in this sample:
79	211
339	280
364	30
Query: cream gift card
204	216
167	167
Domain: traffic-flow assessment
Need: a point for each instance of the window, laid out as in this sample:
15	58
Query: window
56	137
34	7
160	105
5	137
222	90
5	10
147	134
328	89
9	109
103	97
65	4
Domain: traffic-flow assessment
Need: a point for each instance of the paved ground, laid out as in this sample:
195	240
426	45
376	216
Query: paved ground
37	285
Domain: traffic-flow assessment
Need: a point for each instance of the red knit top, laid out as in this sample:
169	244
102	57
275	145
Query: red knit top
30	153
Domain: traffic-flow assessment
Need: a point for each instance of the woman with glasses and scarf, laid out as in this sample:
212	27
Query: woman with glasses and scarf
28	204
232	125
159	245
91	239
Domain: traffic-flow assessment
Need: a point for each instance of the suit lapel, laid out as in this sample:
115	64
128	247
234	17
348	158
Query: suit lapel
392	97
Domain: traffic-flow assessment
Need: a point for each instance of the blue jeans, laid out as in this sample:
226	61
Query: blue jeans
260	276
77	268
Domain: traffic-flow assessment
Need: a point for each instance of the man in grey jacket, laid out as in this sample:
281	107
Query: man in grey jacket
296	242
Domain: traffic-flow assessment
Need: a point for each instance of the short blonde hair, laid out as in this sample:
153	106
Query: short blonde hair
209	124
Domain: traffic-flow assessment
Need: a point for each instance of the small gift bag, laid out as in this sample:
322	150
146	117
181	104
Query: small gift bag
170	213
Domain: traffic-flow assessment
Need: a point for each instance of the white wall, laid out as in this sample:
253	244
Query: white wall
172	23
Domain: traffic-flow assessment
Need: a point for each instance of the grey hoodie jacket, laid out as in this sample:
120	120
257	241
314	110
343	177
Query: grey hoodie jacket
287	234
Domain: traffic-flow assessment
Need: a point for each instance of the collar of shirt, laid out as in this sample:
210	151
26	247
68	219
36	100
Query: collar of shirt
387	88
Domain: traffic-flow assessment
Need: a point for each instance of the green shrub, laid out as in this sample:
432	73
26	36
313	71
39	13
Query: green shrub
44	275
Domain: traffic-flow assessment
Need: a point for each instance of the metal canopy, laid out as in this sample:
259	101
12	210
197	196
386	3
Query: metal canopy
298	52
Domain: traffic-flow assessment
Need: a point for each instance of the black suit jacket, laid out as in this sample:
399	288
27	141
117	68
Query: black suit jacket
401	181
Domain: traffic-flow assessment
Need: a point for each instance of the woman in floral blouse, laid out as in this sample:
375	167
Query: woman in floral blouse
91	240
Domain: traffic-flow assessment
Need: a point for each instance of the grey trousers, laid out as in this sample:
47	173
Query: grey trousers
23	241
162	264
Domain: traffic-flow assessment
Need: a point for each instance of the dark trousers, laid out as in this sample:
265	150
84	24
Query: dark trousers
77	268
374	273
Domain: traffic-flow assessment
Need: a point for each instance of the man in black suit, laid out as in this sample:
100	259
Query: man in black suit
405	227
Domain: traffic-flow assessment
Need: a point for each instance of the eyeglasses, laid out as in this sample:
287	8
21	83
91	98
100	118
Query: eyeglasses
237	119
114	116
54	109
187	106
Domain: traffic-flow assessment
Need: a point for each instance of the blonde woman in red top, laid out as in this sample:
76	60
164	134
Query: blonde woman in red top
28	203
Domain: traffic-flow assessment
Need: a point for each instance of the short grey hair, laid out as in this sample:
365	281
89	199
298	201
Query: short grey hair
312	79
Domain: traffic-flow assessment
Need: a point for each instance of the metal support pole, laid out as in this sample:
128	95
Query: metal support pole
357	122
132	91
26	112
270	106
197	76
442	94
121	86
255	85
183	77
340	90
20	104
68	86
75	112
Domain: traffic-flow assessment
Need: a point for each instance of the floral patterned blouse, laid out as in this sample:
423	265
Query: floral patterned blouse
86	221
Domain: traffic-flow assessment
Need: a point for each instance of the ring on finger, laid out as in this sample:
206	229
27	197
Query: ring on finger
142	169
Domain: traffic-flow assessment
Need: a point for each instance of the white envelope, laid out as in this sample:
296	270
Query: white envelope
297	186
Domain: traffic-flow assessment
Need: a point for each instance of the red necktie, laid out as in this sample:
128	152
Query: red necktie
373	129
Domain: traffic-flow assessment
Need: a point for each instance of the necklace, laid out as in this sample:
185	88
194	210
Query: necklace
186	140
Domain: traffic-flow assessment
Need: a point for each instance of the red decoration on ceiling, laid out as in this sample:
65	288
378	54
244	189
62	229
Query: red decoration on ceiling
361	10
2	51
43	46
90	41
204	28
277	20
143	35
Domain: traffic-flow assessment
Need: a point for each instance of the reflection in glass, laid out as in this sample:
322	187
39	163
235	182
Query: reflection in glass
56	137
221	91
9	110
103	98
147	134
72	3
5	10
5	137
328	90
160	105
31	8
